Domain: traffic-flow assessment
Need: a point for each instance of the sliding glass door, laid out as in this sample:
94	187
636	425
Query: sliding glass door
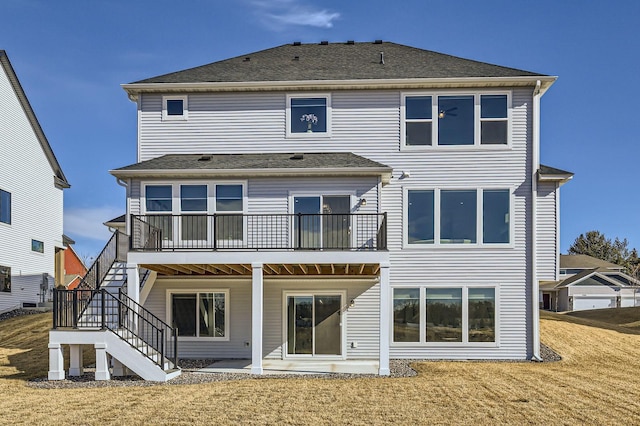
314	324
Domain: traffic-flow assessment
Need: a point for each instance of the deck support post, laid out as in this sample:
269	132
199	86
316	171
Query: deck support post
133	291
385	319
56	362
75	360
119	369
257	292
102	363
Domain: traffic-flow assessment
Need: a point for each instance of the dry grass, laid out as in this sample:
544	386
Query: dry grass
598	382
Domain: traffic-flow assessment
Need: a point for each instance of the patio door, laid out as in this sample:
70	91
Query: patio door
332	230
314	325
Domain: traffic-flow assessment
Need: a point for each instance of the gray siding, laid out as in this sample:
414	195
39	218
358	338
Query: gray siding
368	124
362	318
546	231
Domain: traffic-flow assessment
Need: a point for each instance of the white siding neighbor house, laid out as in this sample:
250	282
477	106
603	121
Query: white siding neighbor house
331	202
31	186
589	283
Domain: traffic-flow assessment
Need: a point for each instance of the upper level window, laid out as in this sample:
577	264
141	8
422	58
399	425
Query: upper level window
5	279
174	107
308	115
37	246
5	206
455	120
158	198
468	216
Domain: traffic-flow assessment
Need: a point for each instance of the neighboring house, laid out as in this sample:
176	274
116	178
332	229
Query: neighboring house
329	202
31	187
74	268
589	283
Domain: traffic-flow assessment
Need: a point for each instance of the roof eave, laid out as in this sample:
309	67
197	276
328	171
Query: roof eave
134	89
60	181
383	172
561	179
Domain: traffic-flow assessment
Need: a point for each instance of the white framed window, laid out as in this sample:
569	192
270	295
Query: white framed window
183	211
456	315
457	217
5	279
455	119
199	314
175	108
308	115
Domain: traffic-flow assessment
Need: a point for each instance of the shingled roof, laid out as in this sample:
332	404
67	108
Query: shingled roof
338	61
331	163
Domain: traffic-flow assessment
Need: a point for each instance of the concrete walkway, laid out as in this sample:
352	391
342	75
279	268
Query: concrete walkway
294	367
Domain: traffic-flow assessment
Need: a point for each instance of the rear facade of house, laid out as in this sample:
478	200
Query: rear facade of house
332	201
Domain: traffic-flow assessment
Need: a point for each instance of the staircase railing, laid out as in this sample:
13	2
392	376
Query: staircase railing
134	324
103	263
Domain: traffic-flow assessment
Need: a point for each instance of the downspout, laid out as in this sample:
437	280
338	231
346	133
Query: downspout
535	165
125	185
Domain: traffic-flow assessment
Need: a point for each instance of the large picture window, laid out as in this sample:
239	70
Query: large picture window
193	199
200	314
308	115
229	226
457	216
467	119
441	315
158	200
5	207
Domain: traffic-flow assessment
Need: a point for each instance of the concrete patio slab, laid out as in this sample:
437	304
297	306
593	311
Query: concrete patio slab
275	367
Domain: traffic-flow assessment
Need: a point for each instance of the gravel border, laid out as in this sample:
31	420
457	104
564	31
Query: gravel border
21	312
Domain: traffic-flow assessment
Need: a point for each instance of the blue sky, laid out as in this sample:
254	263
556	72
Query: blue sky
72	55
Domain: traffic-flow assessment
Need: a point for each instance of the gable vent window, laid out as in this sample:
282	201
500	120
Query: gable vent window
174	108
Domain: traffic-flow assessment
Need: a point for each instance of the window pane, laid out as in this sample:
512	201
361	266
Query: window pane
193	198
494	132
495	216
228	198
493	106
482	310
444	314
5	207
307	228
37	246
229	228
418	107
458	217
194	227
420	217
5	279
158	198
455	120
184	314
418	133
406	315
220	304
206	315
175	106
308	115
164	223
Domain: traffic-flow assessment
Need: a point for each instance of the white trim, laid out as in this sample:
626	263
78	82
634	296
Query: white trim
197	338
343	324
310	135
185	108
133	89
535	166
465	317
477	122
436	225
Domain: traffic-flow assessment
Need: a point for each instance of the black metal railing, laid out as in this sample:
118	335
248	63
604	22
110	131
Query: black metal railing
366	231
114	250
120	314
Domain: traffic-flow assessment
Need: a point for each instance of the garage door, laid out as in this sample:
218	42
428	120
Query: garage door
585	303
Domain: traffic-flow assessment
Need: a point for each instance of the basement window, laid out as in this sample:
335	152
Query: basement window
5	279
200	314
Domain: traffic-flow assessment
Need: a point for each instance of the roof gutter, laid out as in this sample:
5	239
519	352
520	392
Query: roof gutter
384	173
535	165
133	89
